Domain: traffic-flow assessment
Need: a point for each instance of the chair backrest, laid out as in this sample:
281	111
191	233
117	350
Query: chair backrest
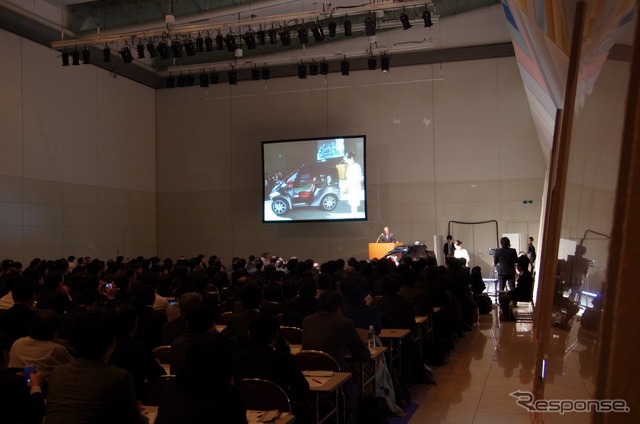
157	388
292	334
263	395
316	360
224	318
163	354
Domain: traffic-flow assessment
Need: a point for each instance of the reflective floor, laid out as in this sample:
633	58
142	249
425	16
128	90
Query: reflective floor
496	359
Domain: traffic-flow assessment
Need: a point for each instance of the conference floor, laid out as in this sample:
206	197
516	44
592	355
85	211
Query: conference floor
496	359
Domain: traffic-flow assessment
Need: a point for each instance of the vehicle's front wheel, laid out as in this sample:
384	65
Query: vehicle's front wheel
279	206
329	202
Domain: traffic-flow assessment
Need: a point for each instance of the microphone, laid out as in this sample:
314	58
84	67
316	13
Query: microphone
378	239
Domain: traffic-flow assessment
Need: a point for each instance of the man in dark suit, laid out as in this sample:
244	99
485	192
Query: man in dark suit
90	389
15	322
505	263
387	236
448	247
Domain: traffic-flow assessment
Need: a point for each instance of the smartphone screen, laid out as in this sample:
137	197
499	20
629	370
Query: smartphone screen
28	370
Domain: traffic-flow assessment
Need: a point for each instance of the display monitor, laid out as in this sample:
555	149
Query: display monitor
314	179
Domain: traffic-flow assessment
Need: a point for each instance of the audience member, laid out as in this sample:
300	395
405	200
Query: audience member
54	294
522	291
15	322
294	312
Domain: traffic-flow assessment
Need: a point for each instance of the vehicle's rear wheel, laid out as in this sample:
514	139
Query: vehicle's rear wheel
329	202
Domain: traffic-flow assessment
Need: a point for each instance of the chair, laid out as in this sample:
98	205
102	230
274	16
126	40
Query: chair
263	395
157	388
224	318
316	360
292	334
163	354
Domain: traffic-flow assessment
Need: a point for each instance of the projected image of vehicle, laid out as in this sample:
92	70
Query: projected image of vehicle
311	185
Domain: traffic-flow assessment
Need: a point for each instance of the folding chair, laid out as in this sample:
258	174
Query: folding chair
292	334
163	354
263	395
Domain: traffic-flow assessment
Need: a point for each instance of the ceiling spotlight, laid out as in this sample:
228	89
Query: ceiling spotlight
255	74
190	80
316	30
140	50
347	28
372	63
125	53
303	34
219	42
404	18
230	42
75	57
285	37
151	49
214	77
86	56
313	68
65	58
208	43
176	48
181	81
426	15
384	63
249	38
170	82
189	47
302	71
199	44
332	29
204	79
324	68
233	77
262	37
344	67
106	54
265	73
163	50
273	36
370	25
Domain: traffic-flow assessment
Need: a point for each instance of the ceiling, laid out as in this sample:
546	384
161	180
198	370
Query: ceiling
461	29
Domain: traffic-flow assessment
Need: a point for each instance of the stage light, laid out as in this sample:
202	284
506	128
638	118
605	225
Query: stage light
199	44
219	42
372	63
255	74
404	18
214	77
140	50
265	73
86	56
190	80
75	57
189	47
332	29
384	63
273	36
370	25
230	42
303	34
316	30
313	68
344	67
262	37
204	79
285	37
151	49
125	53
170	82
233	77
181	82
65	58
302	71
426	15
249	38
106	54
347	28
324	68
176	48
208	43
163	50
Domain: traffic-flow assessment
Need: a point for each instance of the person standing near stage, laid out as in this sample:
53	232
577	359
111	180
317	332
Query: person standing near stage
505	262
531	253
386	236
449	248
461	253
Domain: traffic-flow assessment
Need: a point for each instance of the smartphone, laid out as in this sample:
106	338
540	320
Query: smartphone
108	286
28	370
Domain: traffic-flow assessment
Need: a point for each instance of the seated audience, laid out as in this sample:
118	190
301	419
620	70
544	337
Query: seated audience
521	293
15	322
149	320
54	294
178	326
294	311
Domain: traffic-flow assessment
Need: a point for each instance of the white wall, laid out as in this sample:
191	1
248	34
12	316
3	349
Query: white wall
77	158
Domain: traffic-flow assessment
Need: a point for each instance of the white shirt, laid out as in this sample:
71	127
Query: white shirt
462	253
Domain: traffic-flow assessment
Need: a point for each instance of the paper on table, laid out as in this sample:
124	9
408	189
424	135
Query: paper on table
315	382
318	373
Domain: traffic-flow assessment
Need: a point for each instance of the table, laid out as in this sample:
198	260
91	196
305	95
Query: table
369	369
322	384
393	338
254	417
151	412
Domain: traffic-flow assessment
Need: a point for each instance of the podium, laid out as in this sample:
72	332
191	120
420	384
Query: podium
378	250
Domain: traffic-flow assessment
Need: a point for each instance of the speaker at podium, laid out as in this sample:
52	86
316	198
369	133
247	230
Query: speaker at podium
378	250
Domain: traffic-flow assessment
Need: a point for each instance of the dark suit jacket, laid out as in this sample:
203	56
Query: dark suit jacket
505	261
396	312
16	404
333	334
448	249
363	316
137	358
524	285
388	239
16	321
418	299
87	391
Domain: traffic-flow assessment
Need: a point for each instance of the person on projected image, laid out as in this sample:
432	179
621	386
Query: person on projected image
354	182
386	236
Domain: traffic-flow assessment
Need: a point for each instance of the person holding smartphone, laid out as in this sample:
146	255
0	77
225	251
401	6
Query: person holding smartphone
21	398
